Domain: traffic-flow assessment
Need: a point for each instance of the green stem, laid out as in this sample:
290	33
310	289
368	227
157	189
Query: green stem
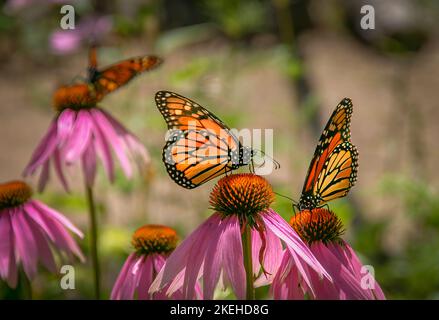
247	253
26	286
94	242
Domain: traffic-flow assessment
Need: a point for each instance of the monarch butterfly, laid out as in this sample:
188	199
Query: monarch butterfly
333	169
200	146
115	76
102	82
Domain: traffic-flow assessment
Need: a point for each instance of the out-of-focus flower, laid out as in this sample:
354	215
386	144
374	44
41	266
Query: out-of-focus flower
214	250
12	6
90	30
153	244
82	132
322	229
30	232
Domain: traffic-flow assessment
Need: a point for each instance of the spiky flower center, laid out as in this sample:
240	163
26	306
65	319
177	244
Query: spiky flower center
318	225
77	96
14	194
154	239
245	195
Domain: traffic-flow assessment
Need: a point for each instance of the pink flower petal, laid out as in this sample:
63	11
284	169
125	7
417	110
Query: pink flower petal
56	229
104	152
89	165
233	257
44	252
80	139
65	123
44	176
43	151
272	256
281	229
178	260
26	246
212	264
59	169
41	207
7	256
119	291
146	277
111	136
342	277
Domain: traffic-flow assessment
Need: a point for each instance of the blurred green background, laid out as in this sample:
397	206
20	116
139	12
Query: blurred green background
279	64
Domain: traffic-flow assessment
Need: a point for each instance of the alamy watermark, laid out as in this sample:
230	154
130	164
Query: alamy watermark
219	146
67	281
368	278
67	21
367	21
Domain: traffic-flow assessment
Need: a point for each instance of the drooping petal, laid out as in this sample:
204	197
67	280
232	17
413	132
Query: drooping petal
44	176
271	258
125	284
343	278
233	256
89	165
57	216
281	229
195	260
7	256
57	230
65	123
146	277
113	139
59	169
104	152
131	142
44	253
43	151
178	260
79	141
350	260
8	264
212	264
26	244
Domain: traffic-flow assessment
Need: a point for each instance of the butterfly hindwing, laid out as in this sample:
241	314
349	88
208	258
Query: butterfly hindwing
193	157
339	173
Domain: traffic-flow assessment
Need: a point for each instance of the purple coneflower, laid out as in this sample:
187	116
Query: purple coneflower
82	133
322	229
242	239
153	244
30	232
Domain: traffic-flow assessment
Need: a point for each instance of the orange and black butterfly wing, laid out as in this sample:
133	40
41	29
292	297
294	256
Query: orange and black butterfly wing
182	113
194	157
339	173
201	147
336	132
119	74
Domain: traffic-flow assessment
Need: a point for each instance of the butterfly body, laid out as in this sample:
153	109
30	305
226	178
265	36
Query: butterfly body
200	146
333	169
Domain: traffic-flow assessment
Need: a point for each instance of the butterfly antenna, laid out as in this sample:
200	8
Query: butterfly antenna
286	197
276	164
